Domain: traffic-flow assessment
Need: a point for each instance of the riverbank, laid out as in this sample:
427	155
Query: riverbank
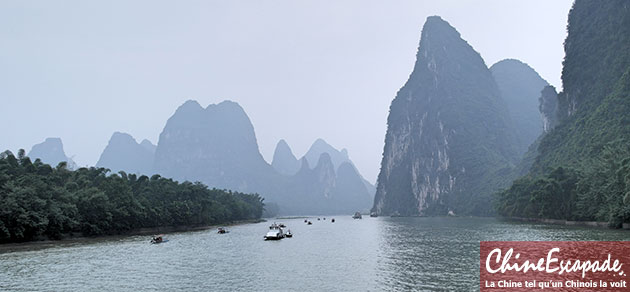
595	224
77	237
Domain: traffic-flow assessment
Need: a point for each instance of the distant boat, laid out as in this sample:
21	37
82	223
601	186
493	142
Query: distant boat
158	239
357	215
222	230
332	220
395	214
305	220
373	214
274	233
282	225
288	234
309	223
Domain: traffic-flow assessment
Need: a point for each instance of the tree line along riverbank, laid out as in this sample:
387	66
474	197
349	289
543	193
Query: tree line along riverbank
38	201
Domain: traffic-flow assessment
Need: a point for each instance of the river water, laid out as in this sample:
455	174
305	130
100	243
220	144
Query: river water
372	254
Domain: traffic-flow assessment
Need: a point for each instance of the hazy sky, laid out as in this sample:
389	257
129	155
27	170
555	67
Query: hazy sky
81	70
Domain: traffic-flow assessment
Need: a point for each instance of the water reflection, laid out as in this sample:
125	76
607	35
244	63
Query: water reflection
373	254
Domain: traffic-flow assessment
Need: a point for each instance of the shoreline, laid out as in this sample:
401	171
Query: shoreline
71	238
592	224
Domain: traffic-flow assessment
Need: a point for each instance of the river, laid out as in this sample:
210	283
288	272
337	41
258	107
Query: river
372	254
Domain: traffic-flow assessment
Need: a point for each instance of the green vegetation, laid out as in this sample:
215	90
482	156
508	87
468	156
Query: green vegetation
582	167
39	201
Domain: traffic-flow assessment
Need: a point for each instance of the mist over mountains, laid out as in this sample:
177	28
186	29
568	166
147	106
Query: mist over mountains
520	87
217	146
458	134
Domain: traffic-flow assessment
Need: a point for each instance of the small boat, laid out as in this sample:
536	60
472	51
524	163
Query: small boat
305	220
158	239
318	219
282	225
222	230
274	233
288	234
357	215
332	220
373	214
324	218
309	223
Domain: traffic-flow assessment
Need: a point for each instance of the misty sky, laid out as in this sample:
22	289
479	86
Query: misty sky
80	70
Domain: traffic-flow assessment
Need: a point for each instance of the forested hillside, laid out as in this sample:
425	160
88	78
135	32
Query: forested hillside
39	201
582	167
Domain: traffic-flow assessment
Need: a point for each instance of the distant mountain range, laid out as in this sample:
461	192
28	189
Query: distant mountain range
285	162
217	145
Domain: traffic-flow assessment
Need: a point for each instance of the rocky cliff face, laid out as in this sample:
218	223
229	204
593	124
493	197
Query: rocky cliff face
448	132
51	152
520	87
548	107
284	161
123	153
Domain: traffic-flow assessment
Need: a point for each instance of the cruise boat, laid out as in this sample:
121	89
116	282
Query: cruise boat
274	233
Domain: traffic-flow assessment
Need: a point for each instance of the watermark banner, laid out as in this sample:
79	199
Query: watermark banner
554	265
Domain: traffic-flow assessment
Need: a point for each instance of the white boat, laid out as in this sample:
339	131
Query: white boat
288	234
274	233
357	215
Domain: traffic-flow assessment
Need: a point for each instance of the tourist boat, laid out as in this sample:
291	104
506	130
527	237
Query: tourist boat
288	234
357	215
274	233
158	239
373	214
309	223
222	230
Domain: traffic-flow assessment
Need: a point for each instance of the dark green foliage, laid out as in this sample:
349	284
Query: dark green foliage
38	201
591	141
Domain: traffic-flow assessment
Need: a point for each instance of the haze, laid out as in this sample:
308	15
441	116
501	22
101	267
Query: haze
302	70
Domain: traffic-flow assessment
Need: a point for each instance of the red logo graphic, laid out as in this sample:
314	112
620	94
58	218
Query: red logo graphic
554	265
